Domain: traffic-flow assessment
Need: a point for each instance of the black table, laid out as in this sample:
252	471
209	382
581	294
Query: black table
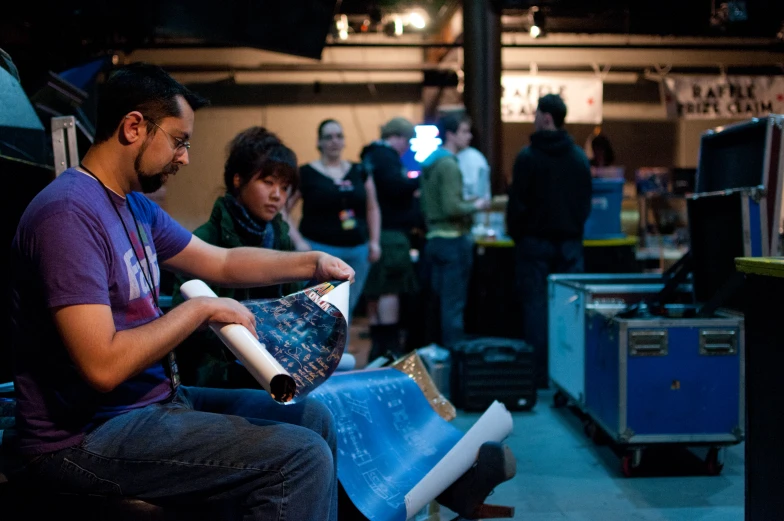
493	306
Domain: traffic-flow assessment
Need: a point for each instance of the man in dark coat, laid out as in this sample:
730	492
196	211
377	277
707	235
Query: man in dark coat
549	202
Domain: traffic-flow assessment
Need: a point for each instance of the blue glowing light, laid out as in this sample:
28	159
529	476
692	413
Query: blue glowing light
425	142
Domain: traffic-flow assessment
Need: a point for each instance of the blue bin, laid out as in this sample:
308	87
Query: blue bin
604	221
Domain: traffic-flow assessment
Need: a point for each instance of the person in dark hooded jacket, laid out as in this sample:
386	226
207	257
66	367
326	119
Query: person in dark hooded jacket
549	202
393	276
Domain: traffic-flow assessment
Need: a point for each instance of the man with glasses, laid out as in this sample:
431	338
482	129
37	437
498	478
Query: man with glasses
180	145
99	408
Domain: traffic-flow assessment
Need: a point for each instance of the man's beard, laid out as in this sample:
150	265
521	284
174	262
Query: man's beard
151	182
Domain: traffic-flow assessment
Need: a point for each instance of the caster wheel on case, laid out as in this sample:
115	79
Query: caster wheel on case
560	400
630	462
713	465
589	427
594	432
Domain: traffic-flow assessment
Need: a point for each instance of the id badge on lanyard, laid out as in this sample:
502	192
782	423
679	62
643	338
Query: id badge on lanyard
348	220
171	369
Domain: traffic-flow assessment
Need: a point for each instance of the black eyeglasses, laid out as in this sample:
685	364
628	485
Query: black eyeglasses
180	144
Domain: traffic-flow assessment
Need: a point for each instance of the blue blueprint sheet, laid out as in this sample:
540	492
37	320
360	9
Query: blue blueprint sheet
306	335
389	437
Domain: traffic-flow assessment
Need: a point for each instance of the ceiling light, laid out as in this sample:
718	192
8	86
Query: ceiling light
341	24
398	26
536	21
417	19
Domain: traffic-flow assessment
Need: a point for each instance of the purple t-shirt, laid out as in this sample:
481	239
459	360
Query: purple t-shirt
70	248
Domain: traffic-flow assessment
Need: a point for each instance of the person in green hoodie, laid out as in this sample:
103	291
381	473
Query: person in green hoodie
549	202
448	218
259	174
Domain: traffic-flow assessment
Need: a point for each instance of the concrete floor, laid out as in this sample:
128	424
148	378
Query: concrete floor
562	475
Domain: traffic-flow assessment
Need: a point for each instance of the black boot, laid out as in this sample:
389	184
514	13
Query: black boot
385	338
466	496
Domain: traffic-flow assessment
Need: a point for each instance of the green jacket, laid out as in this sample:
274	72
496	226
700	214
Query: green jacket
446	213
202	358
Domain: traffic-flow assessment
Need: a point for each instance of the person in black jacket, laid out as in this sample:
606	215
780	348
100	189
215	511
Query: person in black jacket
549	202
393	275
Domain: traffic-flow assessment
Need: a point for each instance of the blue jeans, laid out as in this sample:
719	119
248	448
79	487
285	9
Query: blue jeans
535	259
357	258
448	263
221	446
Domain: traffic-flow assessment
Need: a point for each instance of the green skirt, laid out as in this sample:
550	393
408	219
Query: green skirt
394	272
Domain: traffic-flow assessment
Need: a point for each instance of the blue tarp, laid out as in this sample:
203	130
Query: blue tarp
84	76
16	111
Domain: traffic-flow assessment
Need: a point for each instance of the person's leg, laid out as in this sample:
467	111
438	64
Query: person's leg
384	321
460	276
175	454
453	259
571	258
308	413
436	259
532	267
431	314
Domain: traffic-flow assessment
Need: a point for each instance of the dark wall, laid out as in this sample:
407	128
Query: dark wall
761	18
635	143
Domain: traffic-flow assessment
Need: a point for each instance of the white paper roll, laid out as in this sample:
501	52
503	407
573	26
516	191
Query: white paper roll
252	353
494	425
338	297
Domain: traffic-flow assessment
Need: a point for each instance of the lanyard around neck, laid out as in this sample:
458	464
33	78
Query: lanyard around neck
128	235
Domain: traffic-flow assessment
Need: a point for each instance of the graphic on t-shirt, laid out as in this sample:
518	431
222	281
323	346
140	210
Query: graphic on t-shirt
140	274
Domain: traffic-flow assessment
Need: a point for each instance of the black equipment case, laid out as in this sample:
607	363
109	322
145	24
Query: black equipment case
748	154
486	369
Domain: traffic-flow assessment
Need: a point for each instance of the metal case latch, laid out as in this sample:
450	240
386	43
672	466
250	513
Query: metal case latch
648	343
718	342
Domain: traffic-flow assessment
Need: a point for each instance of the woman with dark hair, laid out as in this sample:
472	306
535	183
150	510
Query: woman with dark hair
340	212
260	174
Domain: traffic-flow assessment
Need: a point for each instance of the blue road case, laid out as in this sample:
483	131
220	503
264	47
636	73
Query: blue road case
649	366
652	381
644	379
569	297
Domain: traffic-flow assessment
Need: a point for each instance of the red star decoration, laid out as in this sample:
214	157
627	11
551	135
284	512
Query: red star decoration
780	97
590	101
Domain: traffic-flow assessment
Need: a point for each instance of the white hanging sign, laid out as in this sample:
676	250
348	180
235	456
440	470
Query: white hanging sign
520	94
711	97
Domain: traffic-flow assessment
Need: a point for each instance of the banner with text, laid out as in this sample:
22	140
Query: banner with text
520	94
710	97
